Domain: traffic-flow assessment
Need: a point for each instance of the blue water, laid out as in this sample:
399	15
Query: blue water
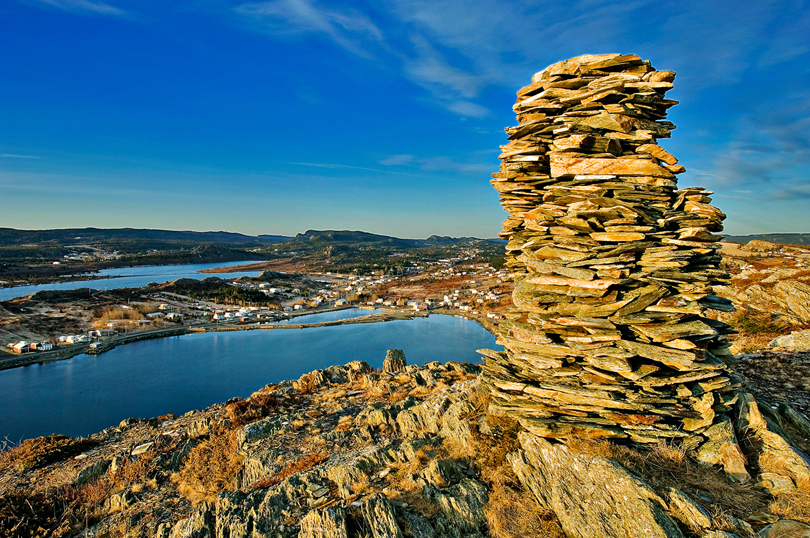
131	277
173	375
333	315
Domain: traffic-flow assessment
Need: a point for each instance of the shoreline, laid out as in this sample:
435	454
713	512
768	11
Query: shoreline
92	271
17	361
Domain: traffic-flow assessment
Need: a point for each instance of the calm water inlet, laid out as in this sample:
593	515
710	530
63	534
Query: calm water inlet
131	277
149	378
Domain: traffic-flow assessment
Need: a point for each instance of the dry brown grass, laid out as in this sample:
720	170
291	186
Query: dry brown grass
516	514
250	410
210	467
792	506
664	466
511	511
41	451
55	512
302	464
132	472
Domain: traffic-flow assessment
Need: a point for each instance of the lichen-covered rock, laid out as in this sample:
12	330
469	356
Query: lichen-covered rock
381	518
441	412
415	526
199	525
442	473
722	448
687	511
462	506
782	468
394	361
250	515
591	496
786	528
92	472
795	342
324	522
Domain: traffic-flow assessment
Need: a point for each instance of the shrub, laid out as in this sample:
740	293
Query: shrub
41	451
251	410
210	467
302	464
754	322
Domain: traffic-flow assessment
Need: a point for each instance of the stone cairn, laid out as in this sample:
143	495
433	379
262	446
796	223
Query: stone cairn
613	265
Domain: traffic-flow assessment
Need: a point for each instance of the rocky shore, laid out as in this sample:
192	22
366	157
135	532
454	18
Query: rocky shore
404	452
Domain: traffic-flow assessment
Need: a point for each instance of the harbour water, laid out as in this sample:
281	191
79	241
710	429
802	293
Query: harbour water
149	378
130	277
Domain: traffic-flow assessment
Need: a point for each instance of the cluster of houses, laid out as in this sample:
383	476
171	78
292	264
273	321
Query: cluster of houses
29	347
82	338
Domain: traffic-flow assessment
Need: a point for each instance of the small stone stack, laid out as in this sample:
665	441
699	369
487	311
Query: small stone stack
613	266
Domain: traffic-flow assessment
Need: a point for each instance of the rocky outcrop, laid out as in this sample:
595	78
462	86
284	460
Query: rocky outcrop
592	497
781	467
349	451
394	361
613	265
795	342
789	299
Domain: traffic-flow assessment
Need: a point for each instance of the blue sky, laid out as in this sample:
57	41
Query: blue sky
286	115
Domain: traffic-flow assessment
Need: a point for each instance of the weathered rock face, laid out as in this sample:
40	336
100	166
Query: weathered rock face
795	342
394	361
613	266
593	497
782	468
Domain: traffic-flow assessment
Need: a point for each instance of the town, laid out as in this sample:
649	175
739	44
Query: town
92	321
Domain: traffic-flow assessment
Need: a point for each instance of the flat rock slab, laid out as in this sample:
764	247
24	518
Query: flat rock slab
592	497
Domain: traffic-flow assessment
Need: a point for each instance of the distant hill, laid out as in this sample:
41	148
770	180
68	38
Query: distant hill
69	236
77	236
355	237
782	239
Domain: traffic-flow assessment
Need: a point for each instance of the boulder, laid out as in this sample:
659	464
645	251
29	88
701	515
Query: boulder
394	361
795	342
462	506
93	472
786	528
592	496
254	514
687	511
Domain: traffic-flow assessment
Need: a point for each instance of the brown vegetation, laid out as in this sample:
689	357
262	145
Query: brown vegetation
210	467
300	465
41	451
250	410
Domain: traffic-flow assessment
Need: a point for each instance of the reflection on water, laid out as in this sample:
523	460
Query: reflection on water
173	375
131	277
334	315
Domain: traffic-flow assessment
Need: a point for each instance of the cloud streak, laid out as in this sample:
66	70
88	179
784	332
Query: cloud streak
85	5
349	29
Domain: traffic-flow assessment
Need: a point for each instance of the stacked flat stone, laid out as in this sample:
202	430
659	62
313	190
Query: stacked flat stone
613	265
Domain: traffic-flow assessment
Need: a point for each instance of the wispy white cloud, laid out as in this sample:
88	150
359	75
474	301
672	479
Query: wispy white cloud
798	192
85	5
13	156
438	164
346	166
397	160
348	28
